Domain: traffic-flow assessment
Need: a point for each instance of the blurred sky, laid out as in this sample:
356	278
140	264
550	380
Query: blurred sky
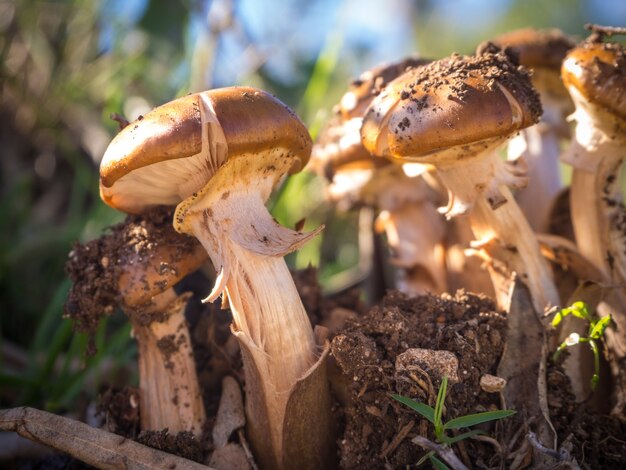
232	39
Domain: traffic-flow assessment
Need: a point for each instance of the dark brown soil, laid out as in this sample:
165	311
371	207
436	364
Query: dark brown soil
378	430
95	267
183	444
120	411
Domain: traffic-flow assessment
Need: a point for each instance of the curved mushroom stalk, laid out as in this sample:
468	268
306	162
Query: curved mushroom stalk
228	216
597	154
170	395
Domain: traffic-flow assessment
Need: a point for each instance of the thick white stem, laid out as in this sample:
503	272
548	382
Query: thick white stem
597	209
229	218
481	183
519	248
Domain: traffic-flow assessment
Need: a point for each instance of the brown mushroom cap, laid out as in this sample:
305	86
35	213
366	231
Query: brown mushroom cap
537	48
451	102
543	52
370	83
598	72
339	148
160	153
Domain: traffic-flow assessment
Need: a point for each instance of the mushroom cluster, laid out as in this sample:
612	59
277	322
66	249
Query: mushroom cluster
406	138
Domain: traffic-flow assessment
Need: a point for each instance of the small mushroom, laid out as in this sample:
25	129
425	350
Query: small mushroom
218	155
170	394
136	266
453	114
541	51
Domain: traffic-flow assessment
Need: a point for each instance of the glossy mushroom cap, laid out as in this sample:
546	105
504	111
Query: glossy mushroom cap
543	52
598	72
171	152
537	48
450	103
370	83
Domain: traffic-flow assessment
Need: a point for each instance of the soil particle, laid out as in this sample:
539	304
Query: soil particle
183	444
168	346
367	353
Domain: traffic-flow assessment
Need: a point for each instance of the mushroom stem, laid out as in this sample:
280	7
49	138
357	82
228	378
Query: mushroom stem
541	151
170	395
481	189
595	198
415	235
229	218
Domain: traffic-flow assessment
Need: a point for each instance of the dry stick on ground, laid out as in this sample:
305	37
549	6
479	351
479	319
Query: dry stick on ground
595	75
219	154
137	266
453	114
93	446
542	51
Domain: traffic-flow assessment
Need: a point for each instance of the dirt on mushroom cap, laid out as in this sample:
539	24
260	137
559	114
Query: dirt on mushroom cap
491	63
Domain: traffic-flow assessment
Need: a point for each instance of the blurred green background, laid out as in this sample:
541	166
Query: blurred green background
67	65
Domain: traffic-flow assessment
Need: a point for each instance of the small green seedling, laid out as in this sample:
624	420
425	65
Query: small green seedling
434	415
597	326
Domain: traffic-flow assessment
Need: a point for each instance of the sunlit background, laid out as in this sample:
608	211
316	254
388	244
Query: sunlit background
67	65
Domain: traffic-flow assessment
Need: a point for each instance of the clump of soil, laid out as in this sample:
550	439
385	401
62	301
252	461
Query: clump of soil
373	354
95	267
183	444
120	411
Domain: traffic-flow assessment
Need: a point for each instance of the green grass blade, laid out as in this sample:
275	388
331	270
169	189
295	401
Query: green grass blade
477	418
421	408
441	398
452	440
438	464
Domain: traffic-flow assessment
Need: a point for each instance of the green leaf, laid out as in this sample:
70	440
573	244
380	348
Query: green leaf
477	418
421	408
438	464
451	440
441	398
598	330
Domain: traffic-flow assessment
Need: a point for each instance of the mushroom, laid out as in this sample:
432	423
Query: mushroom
218	155
595	75
453	114
136	266
541	51
407	213
362	90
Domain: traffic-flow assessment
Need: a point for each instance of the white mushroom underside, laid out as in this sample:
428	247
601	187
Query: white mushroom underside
170	181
